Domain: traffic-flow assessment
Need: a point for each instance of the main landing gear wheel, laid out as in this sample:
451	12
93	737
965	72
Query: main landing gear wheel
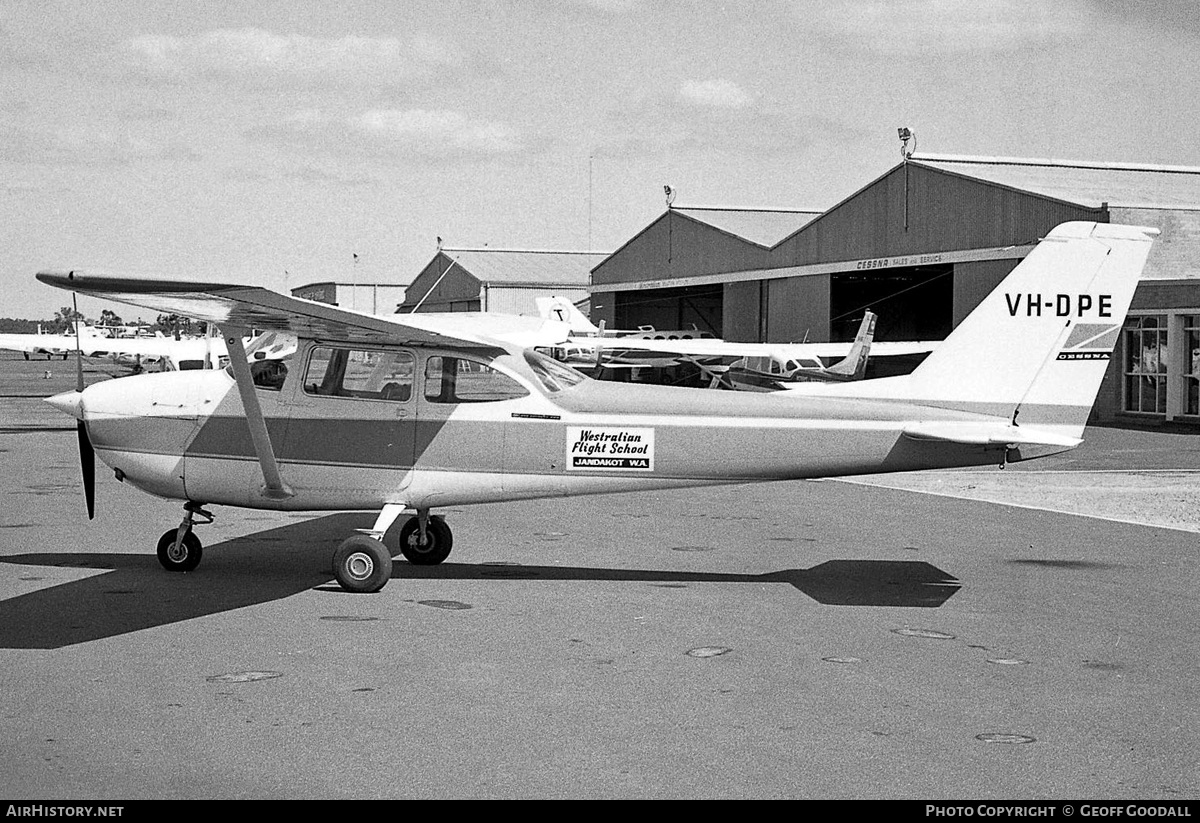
438	541
362	564
181	556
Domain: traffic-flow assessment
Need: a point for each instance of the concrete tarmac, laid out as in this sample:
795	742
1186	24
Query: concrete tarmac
791	640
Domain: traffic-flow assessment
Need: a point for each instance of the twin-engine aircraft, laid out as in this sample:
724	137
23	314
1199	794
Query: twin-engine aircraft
402	416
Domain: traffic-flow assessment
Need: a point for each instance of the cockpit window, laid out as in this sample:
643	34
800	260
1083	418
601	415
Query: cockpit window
459	380
554	376
269	354
368	375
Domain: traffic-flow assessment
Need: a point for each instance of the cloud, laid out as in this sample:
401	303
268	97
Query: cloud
428	134
334	172
255	54
85	147
424	129
909	27
700	117
1173	15
612	6
723	94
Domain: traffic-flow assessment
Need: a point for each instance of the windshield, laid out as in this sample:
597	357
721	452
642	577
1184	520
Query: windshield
269	354
554	376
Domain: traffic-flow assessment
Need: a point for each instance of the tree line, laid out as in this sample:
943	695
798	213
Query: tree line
65	318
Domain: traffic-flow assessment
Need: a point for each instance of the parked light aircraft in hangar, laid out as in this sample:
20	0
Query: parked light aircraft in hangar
401	416
727	364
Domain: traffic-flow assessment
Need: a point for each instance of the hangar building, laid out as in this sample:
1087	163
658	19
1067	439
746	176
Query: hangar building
375	298
499	280
922	245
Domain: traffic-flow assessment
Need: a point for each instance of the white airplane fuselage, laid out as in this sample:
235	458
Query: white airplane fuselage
184	435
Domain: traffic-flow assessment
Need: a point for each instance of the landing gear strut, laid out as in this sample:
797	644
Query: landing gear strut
179	550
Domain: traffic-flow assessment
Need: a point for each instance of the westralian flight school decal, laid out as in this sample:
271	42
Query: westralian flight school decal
614	449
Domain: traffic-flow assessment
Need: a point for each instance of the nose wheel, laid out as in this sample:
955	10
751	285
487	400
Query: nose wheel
179	550
179	555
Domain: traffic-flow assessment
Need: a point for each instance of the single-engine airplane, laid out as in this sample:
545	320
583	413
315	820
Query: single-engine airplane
726	364
396	416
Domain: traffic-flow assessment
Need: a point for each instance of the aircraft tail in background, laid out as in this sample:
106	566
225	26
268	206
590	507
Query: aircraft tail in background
854	365
563	310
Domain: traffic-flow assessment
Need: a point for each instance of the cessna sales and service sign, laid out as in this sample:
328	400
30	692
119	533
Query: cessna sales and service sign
610	448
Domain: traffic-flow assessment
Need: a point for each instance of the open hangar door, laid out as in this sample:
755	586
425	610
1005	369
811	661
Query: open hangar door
690	307
913	303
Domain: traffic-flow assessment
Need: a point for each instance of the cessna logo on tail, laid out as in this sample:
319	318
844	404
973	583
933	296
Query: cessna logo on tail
1060	305
1090	341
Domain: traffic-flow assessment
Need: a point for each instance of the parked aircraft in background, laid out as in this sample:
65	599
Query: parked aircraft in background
161	352
788	365
51	345
724	364
403	417
563	310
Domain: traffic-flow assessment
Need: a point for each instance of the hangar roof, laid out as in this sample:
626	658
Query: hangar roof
1085	183
526	266
766	227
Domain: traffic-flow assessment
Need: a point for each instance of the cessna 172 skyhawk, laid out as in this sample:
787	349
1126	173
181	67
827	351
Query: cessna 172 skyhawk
401	416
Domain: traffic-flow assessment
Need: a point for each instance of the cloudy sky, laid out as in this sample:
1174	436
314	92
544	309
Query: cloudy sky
269	142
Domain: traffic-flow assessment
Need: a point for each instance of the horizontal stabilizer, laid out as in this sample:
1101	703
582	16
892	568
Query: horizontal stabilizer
988	434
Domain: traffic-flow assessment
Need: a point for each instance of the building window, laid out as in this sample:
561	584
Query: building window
1146	365
1191	365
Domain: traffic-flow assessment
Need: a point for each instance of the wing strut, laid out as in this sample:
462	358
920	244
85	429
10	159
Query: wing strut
273	486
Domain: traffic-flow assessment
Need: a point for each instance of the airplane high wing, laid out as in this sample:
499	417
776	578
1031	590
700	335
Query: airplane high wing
406	414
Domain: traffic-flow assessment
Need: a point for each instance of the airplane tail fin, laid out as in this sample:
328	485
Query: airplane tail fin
854	365
1036	349
563	310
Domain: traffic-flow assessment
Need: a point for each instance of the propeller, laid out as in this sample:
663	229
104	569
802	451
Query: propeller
87	455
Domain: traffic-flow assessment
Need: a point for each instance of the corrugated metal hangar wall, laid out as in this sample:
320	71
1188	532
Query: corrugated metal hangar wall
921	246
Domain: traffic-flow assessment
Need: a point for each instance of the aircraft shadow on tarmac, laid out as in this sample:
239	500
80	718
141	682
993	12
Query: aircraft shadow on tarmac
135	593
